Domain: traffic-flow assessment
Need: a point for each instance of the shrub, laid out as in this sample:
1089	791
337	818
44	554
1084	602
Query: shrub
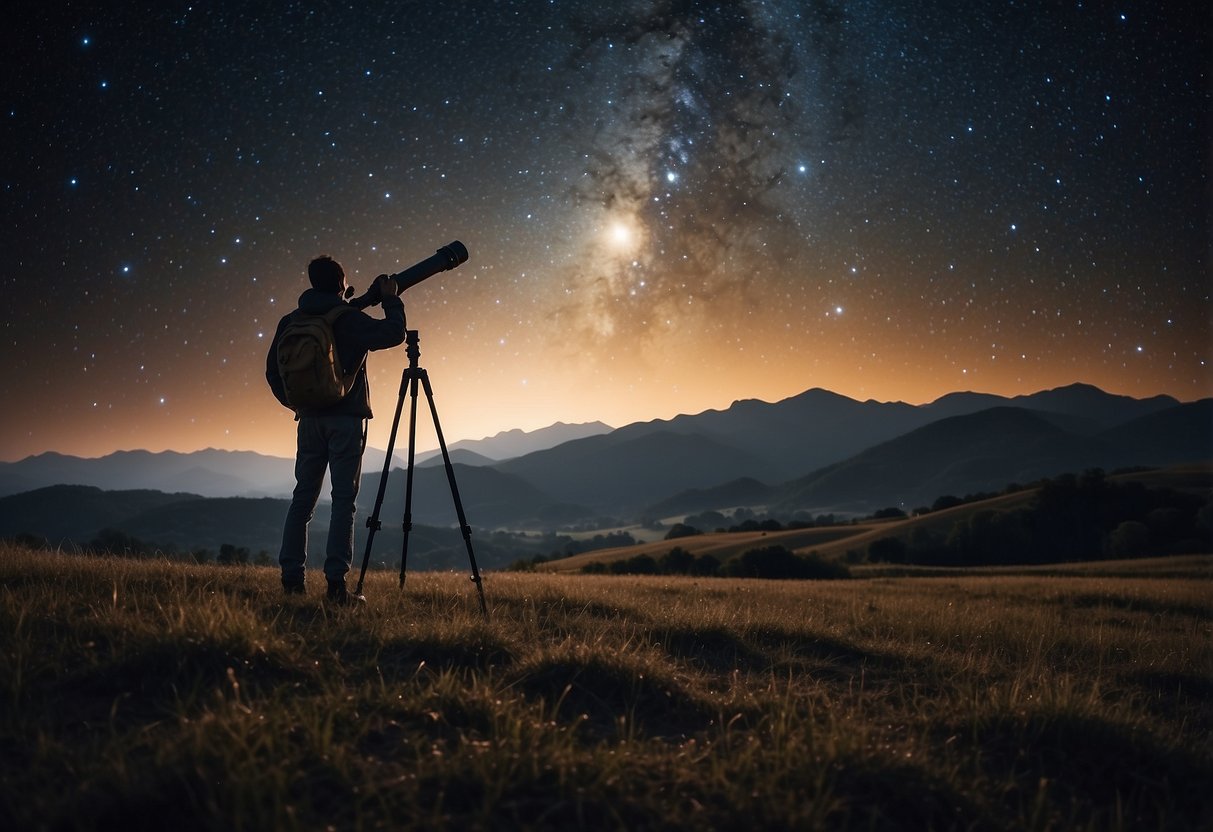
779	563
681	530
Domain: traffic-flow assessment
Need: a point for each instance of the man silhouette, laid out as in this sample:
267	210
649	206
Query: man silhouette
333	437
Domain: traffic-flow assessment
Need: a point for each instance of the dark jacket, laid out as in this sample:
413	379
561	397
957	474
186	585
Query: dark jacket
356	333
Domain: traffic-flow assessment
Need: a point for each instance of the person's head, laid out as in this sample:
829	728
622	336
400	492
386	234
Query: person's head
326	274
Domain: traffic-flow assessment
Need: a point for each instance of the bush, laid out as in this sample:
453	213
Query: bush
681	530
779	563
677	561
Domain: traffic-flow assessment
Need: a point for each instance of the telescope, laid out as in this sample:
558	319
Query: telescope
445	258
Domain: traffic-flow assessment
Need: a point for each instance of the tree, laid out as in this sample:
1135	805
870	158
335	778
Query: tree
230	554
945	501
767	562
681	530
1128	540
677	561
116	542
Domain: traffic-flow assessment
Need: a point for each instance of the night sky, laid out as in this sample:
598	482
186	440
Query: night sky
669	205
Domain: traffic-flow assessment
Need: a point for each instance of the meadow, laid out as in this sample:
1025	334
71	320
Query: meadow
147	694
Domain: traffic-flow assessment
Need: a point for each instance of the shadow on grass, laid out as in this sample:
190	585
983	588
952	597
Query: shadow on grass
829	659
880	795
402	657
715	649
609	698
1093	767
162	799
1126	603
1173	696
167	679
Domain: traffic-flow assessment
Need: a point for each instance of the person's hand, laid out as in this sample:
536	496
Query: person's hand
385	287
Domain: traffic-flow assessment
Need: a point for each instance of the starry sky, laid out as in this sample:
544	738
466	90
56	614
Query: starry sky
669	204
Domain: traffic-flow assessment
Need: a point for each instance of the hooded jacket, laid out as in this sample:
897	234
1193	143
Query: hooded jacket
355	334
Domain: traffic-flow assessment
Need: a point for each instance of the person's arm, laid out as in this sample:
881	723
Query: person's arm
388	331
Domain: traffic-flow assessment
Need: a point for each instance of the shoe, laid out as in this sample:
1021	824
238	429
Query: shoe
293	588
339	596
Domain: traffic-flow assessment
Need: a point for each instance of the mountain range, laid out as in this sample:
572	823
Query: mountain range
817	451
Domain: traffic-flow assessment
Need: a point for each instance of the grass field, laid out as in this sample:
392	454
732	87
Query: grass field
155	695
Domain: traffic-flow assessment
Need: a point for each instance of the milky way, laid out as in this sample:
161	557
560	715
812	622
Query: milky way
669	205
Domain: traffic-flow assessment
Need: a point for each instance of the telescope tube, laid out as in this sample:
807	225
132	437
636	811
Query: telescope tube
449	256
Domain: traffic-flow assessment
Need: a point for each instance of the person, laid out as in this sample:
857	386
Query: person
333	437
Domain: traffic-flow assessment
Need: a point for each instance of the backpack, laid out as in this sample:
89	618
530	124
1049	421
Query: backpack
308	363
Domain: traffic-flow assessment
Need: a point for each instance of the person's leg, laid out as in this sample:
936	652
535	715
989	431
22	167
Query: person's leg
344	434
311	458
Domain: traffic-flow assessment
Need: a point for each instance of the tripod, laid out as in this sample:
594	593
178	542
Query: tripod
408	383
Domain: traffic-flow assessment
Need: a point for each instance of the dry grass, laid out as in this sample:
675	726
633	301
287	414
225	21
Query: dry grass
158	695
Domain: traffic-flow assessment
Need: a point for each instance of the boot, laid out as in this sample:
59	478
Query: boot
339	596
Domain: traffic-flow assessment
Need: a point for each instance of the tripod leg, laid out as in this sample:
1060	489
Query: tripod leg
372	523
408	479
450	476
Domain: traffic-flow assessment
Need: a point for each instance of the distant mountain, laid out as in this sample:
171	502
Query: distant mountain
623	471
1081	406
988	450
791	436
513	443
461	456
1183	433
982	451
490	498
209	473
745	491
1085	401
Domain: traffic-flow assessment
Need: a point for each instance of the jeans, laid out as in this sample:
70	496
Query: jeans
335	443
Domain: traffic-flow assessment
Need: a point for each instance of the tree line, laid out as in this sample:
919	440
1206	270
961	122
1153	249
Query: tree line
1071	517
111	541
775	562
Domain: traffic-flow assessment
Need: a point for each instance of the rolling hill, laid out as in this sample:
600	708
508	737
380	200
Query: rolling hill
836	541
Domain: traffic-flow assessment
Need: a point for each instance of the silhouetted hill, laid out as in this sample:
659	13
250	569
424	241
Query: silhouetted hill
513	443
964	454
1088	402
77	512
1183	433
490	498
625	470
254	523
745	491
1079	407
210	473
461	456
986	451
788	437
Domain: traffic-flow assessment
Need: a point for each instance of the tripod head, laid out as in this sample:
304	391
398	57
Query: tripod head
412	346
